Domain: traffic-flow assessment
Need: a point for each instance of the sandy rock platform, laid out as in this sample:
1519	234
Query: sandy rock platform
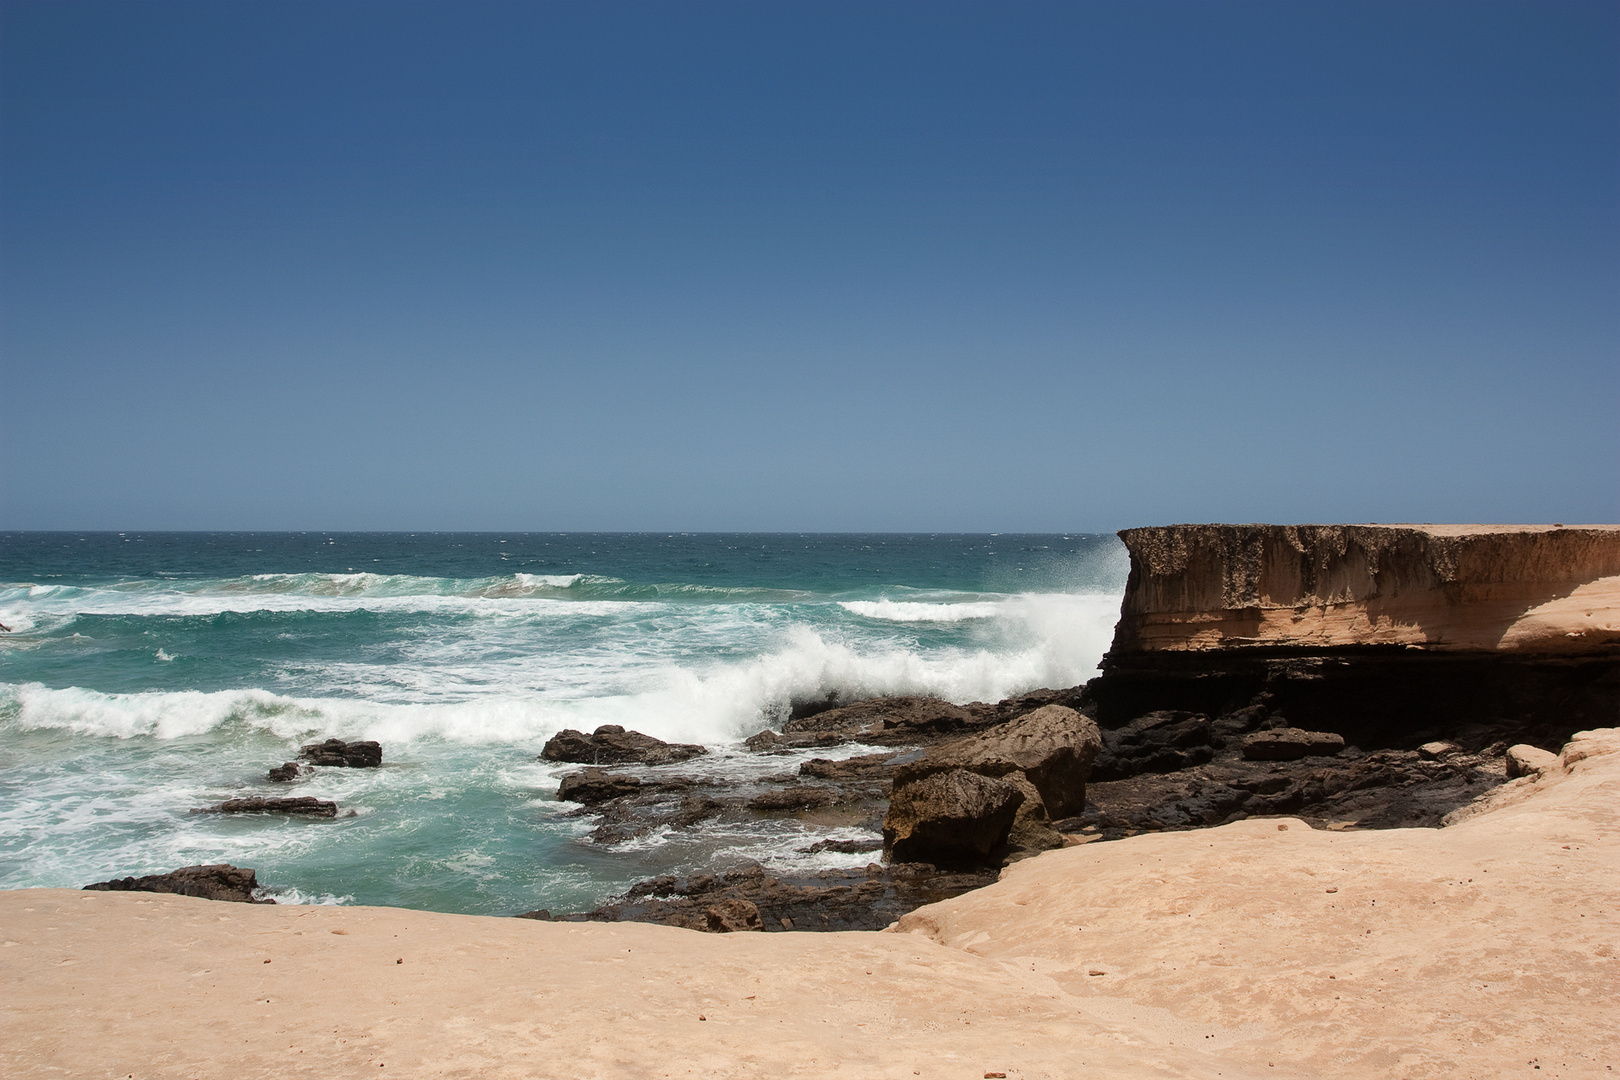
1259	949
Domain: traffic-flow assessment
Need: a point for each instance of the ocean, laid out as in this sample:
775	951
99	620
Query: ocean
148	674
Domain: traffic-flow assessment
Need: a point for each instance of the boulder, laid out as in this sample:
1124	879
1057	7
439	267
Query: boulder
1527	760
950	818
611	744
302	806
1290	744
1053	747
1032	829
217	881
335	753
287	773
1435	751
596	786
731	915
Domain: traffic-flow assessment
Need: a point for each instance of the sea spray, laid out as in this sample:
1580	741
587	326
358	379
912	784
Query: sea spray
151	674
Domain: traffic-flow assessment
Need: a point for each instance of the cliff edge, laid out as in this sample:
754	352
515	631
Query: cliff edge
1518	588
1382	633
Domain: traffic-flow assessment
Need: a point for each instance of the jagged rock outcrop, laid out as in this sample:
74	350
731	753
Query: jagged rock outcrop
1382	634
302	806
596	785
335	753
611	744
216	881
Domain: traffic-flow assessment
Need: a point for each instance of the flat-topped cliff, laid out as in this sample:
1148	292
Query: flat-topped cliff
1520	588
1380	632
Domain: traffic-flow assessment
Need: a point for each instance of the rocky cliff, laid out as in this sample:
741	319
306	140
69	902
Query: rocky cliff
1378	631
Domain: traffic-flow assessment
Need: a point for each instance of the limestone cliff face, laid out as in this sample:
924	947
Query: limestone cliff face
1381	633
1520	589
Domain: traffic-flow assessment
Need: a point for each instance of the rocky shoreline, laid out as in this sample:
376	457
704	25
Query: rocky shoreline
1358	677
1355	677
1165	771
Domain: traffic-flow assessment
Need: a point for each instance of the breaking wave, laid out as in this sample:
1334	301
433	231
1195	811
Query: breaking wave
1043	640
916	611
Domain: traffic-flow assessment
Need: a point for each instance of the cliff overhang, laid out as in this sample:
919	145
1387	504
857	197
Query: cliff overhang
1380	632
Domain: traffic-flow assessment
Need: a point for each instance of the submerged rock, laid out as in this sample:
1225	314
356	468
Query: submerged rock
216	881
286	773
335	753
611	744
595	786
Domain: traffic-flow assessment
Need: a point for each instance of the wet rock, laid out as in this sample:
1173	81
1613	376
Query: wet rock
335	753
866	767
693	809
767	742
951	818
302	806
801	797
216	881
842	847
592	786
1290	744
282	774
874	716
611	744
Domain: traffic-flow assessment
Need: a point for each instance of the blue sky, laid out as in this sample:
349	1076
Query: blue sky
823	266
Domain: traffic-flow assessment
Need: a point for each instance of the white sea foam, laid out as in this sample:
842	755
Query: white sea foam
1036	640
288	894
916	611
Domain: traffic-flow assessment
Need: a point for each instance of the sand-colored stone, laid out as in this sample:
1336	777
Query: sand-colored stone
1259	949
1523	589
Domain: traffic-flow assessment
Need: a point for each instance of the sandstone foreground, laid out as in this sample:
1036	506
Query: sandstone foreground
1261	948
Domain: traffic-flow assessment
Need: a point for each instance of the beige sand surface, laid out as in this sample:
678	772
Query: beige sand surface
1481	950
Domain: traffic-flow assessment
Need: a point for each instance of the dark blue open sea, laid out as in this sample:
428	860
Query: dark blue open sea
150	673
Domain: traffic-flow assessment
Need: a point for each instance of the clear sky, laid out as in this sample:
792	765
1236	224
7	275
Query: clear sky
807	266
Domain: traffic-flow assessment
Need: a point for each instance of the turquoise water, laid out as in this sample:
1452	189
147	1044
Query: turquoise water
148	674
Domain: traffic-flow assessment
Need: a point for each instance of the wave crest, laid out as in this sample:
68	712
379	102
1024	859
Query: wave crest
918	611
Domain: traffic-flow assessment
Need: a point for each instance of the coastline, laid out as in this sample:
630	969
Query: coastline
1486	948
1266	944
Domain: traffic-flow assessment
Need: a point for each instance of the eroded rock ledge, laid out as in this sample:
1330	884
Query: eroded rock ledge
1381	633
